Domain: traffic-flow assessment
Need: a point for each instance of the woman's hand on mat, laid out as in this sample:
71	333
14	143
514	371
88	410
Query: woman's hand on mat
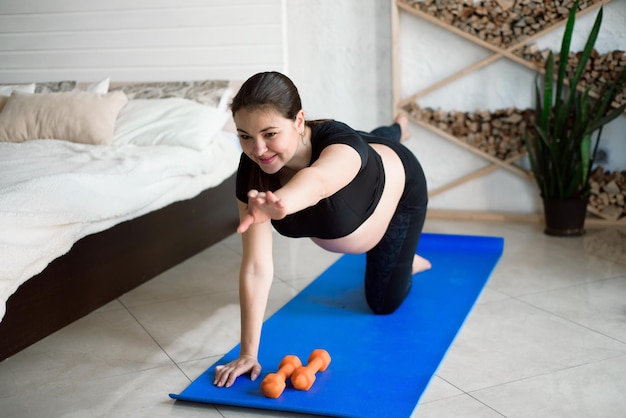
262	206
226	375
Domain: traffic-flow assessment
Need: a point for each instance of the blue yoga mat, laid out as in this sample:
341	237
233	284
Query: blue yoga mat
380	364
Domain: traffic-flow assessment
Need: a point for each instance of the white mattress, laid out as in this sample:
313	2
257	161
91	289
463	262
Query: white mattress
54	192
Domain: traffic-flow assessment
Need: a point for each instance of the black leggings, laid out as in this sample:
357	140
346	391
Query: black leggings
389	265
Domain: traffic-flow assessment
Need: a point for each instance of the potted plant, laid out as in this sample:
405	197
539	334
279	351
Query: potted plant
560	147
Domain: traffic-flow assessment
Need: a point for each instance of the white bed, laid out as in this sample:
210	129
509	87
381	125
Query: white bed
62	180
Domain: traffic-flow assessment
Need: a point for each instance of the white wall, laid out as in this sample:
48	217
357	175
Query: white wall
340	59
139	40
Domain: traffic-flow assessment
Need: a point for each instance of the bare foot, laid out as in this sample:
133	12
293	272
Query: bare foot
403	121
420	264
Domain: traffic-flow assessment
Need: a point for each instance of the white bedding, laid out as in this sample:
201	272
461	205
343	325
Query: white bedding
54	192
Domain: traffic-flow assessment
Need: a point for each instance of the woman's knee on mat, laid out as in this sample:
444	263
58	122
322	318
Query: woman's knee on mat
389	265
387	281
386	307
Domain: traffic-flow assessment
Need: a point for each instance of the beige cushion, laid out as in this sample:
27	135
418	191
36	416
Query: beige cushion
7	89
74	116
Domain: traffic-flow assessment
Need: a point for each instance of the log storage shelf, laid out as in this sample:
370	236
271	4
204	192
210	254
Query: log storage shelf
508	29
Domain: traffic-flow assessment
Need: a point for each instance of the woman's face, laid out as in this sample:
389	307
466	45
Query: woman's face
268	138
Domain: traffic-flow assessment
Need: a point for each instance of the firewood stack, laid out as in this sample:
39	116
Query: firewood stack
608	191
499	133
503	23
499	22
601	68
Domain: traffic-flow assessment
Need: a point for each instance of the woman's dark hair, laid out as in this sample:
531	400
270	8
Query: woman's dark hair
268	90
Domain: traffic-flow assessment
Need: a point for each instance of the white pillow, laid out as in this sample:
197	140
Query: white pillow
101	87
6	90
173	121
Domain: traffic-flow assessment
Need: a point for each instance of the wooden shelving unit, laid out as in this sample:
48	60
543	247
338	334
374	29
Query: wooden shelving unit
402	105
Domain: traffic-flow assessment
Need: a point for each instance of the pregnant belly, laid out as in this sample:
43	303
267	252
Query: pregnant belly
372	230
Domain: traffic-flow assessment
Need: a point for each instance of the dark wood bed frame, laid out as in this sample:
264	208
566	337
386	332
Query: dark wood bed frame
101	267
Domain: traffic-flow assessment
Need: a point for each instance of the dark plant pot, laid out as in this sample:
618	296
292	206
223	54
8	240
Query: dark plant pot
565	217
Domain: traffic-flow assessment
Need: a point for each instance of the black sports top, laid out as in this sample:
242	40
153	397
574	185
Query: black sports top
342	213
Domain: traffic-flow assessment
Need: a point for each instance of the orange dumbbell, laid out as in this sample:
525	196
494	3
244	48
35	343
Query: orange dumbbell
303	377
274	383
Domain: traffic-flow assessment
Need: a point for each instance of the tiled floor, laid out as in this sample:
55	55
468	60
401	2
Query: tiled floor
547	337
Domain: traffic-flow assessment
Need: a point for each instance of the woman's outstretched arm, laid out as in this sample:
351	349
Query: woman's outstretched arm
337	166
255	279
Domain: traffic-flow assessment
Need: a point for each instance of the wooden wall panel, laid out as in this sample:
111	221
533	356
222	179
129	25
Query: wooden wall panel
133	40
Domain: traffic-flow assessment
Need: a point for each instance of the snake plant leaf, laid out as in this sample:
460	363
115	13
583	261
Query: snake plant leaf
565	48
600	122
585	157
593	154
591	41
582	114
607	95
547	93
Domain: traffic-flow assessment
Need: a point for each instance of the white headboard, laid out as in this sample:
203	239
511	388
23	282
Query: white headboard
139	40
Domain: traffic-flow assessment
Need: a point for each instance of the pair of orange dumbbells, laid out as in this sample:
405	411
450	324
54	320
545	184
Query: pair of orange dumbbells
302	377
